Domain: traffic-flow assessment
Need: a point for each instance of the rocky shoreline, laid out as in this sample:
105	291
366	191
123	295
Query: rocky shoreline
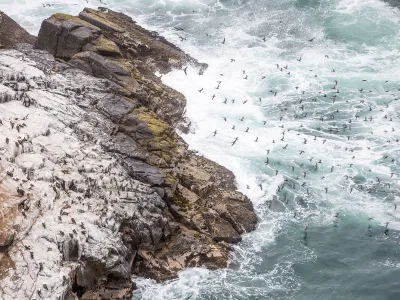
95	182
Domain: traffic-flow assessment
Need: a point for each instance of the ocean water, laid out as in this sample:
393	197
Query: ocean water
327	202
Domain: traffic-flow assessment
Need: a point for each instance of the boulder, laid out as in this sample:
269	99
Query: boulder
110	293
11	33
220	229
63	35
104	47
111	45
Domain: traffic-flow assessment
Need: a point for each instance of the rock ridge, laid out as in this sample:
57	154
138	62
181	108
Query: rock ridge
96	185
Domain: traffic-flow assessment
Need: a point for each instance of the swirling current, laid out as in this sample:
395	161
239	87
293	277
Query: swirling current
310	90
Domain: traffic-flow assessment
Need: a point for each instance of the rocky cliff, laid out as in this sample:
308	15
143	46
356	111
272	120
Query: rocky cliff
95	183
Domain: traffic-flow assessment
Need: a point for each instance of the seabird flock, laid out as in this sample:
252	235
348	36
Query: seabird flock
336	115
340	124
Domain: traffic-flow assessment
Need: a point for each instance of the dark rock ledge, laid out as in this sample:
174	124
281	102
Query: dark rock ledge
96	184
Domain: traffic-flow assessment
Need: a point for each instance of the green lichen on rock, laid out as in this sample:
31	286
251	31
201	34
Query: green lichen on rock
136	75
170	180
157	90
106	47
162	144
165	156
163	135
63	17
60	17
156	126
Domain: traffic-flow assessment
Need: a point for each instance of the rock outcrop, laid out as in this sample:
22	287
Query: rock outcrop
11	33
97	185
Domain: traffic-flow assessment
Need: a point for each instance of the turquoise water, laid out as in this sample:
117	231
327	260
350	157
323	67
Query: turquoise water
353	131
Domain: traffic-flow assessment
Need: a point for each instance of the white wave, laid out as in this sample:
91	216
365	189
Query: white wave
360	40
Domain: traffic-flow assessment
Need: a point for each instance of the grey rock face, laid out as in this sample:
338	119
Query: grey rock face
86	215
98	184
64	36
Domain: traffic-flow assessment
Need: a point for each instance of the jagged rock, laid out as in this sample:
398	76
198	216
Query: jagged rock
116	107
111	293
96	65
63	35
188	249
140	53
11	33
144	172
221	230
201	182
113	189
137	42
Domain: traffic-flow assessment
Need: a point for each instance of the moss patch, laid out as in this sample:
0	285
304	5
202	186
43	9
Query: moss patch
156	126
164	139
136	75
107	47
163	145
65	17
